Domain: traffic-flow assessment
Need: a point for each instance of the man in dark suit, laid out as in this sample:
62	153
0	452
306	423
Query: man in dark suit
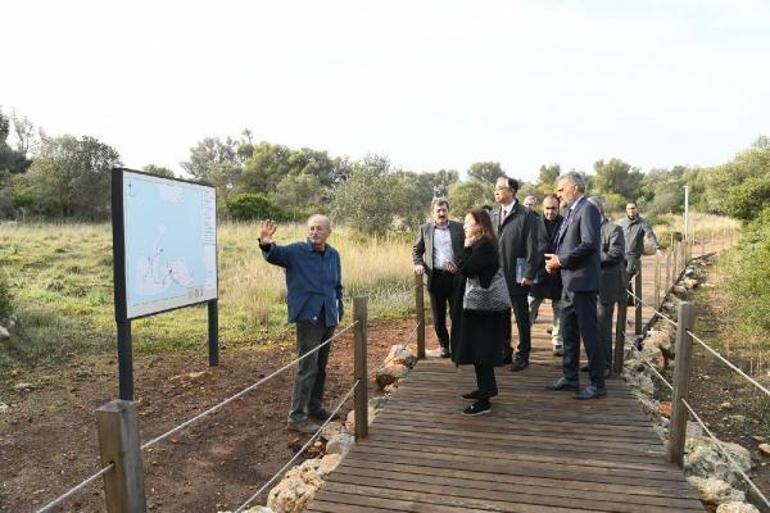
578	259
436	254
517	232
613	250
548	286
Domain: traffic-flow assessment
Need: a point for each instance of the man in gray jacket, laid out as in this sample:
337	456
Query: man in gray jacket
612	279
635	228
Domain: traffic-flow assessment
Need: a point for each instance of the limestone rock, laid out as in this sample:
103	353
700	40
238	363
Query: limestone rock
664	408
715	491
390	373
332	429
327	464
703	458
679	291
340	444
736	507
4	334
661	340
400	355
291	495
654	355
4	408
694	429
763	448
23	387
690	283
378	402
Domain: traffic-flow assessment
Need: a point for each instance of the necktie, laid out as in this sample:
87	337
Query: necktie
502	216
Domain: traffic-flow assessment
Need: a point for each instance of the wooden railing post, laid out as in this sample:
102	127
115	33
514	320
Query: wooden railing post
620	337
119	445
361	393
419	298
675	262
678	430
668	268
656	292
638	301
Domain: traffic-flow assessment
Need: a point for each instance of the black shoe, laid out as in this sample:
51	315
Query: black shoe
475	395
477	408
549	330
322	414
607	373
444	352
558	351
508	358
563	384
519	365
591	392
584	368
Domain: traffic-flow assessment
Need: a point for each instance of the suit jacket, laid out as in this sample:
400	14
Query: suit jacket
578	247
612	263
422	251
517	238
547	285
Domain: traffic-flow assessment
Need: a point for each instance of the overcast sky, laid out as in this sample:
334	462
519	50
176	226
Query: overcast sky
430	84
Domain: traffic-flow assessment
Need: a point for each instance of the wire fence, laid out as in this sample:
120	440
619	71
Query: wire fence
72	491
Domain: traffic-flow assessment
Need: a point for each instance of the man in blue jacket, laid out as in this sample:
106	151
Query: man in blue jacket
314	296
578	258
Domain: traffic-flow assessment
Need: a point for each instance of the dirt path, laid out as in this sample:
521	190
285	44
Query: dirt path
48	437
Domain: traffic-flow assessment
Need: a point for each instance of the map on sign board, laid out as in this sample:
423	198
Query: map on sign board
170	235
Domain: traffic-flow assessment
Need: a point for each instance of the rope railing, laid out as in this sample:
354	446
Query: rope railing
725	452
652	367
301	450
655	310
729	363
188	422
245	390
72	491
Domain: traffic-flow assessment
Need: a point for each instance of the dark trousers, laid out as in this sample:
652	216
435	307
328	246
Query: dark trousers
521	311
604	313
441	288
578	320
485	380
307	396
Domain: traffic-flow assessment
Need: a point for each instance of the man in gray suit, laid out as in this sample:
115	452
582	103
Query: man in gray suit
635	229
436	254
612	280
517	238
578	259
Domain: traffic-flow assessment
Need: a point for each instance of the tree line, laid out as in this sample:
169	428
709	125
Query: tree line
68	178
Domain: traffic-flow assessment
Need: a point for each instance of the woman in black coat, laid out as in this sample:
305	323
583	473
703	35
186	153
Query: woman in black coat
477	335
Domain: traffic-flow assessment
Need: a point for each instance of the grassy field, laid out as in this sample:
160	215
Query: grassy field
60	276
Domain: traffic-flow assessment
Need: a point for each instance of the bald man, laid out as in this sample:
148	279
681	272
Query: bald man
314	296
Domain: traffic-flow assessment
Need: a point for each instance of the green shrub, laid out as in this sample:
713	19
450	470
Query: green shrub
245	207
6	306
746	200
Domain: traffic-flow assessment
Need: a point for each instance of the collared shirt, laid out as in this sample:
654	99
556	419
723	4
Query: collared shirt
313	280
567	219
634	232
507	209
442	246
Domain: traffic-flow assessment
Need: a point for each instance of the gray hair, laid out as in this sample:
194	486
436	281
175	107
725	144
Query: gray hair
575	178
598	202
440	200
324	219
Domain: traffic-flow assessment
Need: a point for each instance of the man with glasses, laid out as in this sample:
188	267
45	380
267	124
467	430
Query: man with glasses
548	286
517	233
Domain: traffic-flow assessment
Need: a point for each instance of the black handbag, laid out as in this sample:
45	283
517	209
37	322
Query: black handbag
494	298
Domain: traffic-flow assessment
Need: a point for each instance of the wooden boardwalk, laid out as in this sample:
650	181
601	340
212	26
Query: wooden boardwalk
537	452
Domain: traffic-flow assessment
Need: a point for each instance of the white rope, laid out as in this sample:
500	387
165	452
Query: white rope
302	450
726	453
651	366
242	392
69	493
657	312
729	364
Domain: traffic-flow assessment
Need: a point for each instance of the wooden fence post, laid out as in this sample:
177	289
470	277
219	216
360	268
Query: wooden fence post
119	444
420	304
638	301
675	264
656	301
668	269
620	336
361	393
678	430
